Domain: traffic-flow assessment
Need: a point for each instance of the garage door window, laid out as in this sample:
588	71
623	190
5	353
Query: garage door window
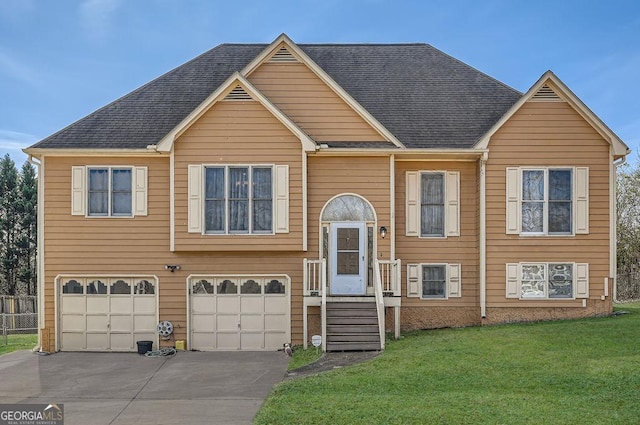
72	287
274	287
96	287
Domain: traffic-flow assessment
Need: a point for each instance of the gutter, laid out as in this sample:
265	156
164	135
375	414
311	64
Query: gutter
39	164
483	236
614	212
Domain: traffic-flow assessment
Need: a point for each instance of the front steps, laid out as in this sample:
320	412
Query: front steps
352	326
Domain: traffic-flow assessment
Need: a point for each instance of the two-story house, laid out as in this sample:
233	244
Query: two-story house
261	194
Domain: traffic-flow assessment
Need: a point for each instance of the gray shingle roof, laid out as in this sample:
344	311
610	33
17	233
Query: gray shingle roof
426	98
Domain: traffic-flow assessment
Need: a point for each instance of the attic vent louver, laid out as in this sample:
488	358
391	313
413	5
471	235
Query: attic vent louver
546	94
238	93
283	55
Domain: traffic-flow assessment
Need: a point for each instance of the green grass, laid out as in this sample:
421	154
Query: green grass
18	342
564	372
302	357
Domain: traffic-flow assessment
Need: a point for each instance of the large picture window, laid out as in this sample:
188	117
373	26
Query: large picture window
238	199
110	192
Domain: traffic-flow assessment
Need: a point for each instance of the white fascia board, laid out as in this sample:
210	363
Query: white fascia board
320	73
619	147
39	152
166	144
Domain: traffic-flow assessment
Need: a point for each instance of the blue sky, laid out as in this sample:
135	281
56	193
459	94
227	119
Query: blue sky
61	60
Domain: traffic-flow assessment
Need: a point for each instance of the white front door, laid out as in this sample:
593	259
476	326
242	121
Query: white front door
347	258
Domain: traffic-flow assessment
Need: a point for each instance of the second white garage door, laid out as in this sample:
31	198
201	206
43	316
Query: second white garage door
238	313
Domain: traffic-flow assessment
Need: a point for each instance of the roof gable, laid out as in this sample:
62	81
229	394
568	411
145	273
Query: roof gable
550	88
235	88
294	53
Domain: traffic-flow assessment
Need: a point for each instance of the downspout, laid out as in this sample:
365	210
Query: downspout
39	164
613	268
483	236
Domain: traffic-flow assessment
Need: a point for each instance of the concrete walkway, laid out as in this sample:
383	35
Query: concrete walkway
126	388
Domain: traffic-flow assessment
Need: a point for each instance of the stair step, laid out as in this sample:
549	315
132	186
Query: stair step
348	304
345	329
353	338
353	346
351	313
352	320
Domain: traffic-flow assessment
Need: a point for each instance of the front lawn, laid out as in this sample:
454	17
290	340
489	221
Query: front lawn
18	342
565	372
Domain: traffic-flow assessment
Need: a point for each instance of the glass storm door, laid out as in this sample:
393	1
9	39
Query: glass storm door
347	258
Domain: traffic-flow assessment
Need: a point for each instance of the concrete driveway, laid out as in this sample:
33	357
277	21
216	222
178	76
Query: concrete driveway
126	388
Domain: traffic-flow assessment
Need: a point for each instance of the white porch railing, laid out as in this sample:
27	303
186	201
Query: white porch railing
315	279
389	276
377	286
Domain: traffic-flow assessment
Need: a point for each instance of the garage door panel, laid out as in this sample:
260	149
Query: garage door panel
73	304
203	304
204	341
251	322
227	323
97	323
228	304
144	323
72	340
273	322
121	304
227	341
203	323
144	304
97	304
251	304
274	340
73	322
122	341
97	341
251	341
275	304
121	324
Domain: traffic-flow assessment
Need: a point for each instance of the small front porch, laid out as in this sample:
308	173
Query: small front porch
352	323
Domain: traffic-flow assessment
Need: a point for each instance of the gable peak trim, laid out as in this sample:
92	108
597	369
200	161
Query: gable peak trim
283	55
237	93
546	94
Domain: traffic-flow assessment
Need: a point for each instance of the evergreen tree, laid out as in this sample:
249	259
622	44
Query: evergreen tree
27	241
9	225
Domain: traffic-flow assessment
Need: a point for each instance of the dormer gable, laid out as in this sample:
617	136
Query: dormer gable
283	57
549	88
236	88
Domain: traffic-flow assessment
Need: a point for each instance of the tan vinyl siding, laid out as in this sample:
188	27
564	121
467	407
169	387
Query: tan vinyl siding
140	245
461	249
311	104
331	176
238	133
543	134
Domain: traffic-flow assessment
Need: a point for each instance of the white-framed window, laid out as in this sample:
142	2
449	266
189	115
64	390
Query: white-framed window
432	204
432	281
108	191
238	199
547	201
547	281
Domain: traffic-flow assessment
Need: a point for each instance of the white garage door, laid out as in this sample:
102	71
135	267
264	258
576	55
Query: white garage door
238	313
106	314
